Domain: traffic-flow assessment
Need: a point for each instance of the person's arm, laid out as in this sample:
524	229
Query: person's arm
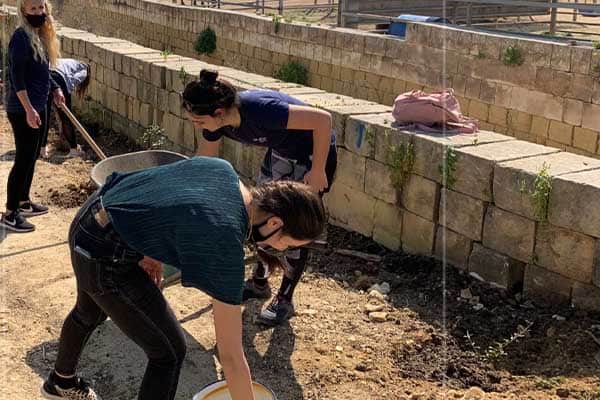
57	94
208	148
228	329
319	121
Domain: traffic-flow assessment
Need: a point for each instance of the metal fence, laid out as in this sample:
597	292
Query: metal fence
264	6
486	13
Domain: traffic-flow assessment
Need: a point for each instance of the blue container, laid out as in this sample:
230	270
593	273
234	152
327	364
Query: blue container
399	28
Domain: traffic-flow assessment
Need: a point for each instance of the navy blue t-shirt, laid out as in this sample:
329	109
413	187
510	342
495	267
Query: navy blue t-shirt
25	72
264	118
189	214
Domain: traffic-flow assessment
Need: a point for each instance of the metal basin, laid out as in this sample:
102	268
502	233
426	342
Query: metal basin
130	162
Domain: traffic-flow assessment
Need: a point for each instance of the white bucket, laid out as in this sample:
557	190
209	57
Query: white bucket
218	391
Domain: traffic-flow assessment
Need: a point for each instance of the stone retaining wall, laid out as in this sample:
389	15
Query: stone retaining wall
478	200
553	98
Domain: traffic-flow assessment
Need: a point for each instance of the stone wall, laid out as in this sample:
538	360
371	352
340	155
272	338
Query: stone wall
553	98
479	201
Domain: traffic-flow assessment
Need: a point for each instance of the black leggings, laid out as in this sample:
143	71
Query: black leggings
27	142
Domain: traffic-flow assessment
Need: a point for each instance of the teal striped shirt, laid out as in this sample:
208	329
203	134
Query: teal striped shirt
189	214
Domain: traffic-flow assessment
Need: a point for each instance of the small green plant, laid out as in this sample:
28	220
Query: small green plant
498	349
183	75
475	141
293	72
276	23
549	383
512	56
153	138
401	160
542	186
448	168
166	53
481	55
596	44
206	42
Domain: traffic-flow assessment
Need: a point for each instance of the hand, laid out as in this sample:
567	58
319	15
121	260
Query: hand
317	180
153	268
33	118
58	97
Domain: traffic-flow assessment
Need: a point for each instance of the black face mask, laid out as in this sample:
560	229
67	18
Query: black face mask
36	20
256	236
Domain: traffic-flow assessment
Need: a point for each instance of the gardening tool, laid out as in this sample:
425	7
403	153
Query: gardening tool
218	391
84	133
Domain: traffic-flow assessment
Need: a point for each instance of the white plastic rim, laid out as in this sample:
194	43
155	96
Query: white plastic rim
218	391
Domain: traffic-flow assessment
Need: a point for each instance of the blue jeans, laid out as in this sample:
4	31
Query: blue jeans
109	282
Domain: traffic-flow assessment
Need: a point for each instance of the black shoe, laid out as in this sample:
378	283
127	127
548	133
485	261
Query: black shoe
253	291
31	209
15	222
81	390
276	313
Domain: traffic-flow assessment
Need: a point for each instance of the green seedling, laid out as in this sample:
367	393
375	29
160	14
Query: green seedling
512	56
206	42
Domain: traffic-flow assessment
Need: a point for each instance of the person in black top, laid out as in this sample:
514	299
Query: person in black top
33	47
301	147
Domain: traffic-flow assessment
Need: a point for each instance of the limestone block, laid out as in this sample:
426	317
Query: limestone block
546	286
540	126
351	169
462	214
429	149
591	116
573	112
561	57
560	132
509	234
387	229
420	196
498	115
175	104
475	164
514	181
585	139
375	44
565	252
536	103
581	88
453	247
497	268
146	114
418	234
574	202
122	104
518	121
581	58
351	208
596	266
378	182
585	297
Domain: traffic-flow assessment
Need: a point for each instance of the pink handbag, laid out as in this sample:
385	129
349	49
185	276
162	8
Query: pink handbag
432	112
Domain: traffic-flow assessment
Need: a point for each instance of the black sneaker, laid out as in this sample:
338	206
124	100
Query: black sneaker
253	291
81	391
15	222
276	313
31	209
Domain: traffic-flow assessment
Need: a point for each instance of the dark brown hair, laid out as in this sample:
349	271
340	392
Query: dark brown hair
207	94
300	209
83	86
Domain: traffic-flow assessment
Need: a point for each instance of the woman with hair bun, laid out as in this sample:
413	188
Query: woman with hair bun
301	147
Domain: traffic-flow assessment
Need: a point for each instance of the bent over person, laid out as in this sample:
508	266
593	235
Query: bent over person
301	147
193	214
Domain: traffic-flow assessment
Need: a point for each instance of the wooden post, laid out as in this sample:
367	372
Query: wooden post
469	14
553	19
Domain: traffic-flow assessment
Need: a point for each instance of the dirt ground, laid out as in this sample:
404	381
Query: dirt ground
427	347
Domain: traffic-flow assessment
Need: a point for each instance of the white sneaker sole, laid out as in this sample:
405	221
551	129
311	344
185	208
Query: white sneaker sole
14	228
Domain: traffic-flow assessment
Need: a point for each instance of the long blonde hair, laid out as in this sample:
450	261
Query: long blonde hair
44	41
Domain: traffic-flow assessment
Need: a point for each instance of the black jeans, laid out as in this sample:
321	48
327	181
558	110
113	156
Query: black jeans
109	282
27	143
